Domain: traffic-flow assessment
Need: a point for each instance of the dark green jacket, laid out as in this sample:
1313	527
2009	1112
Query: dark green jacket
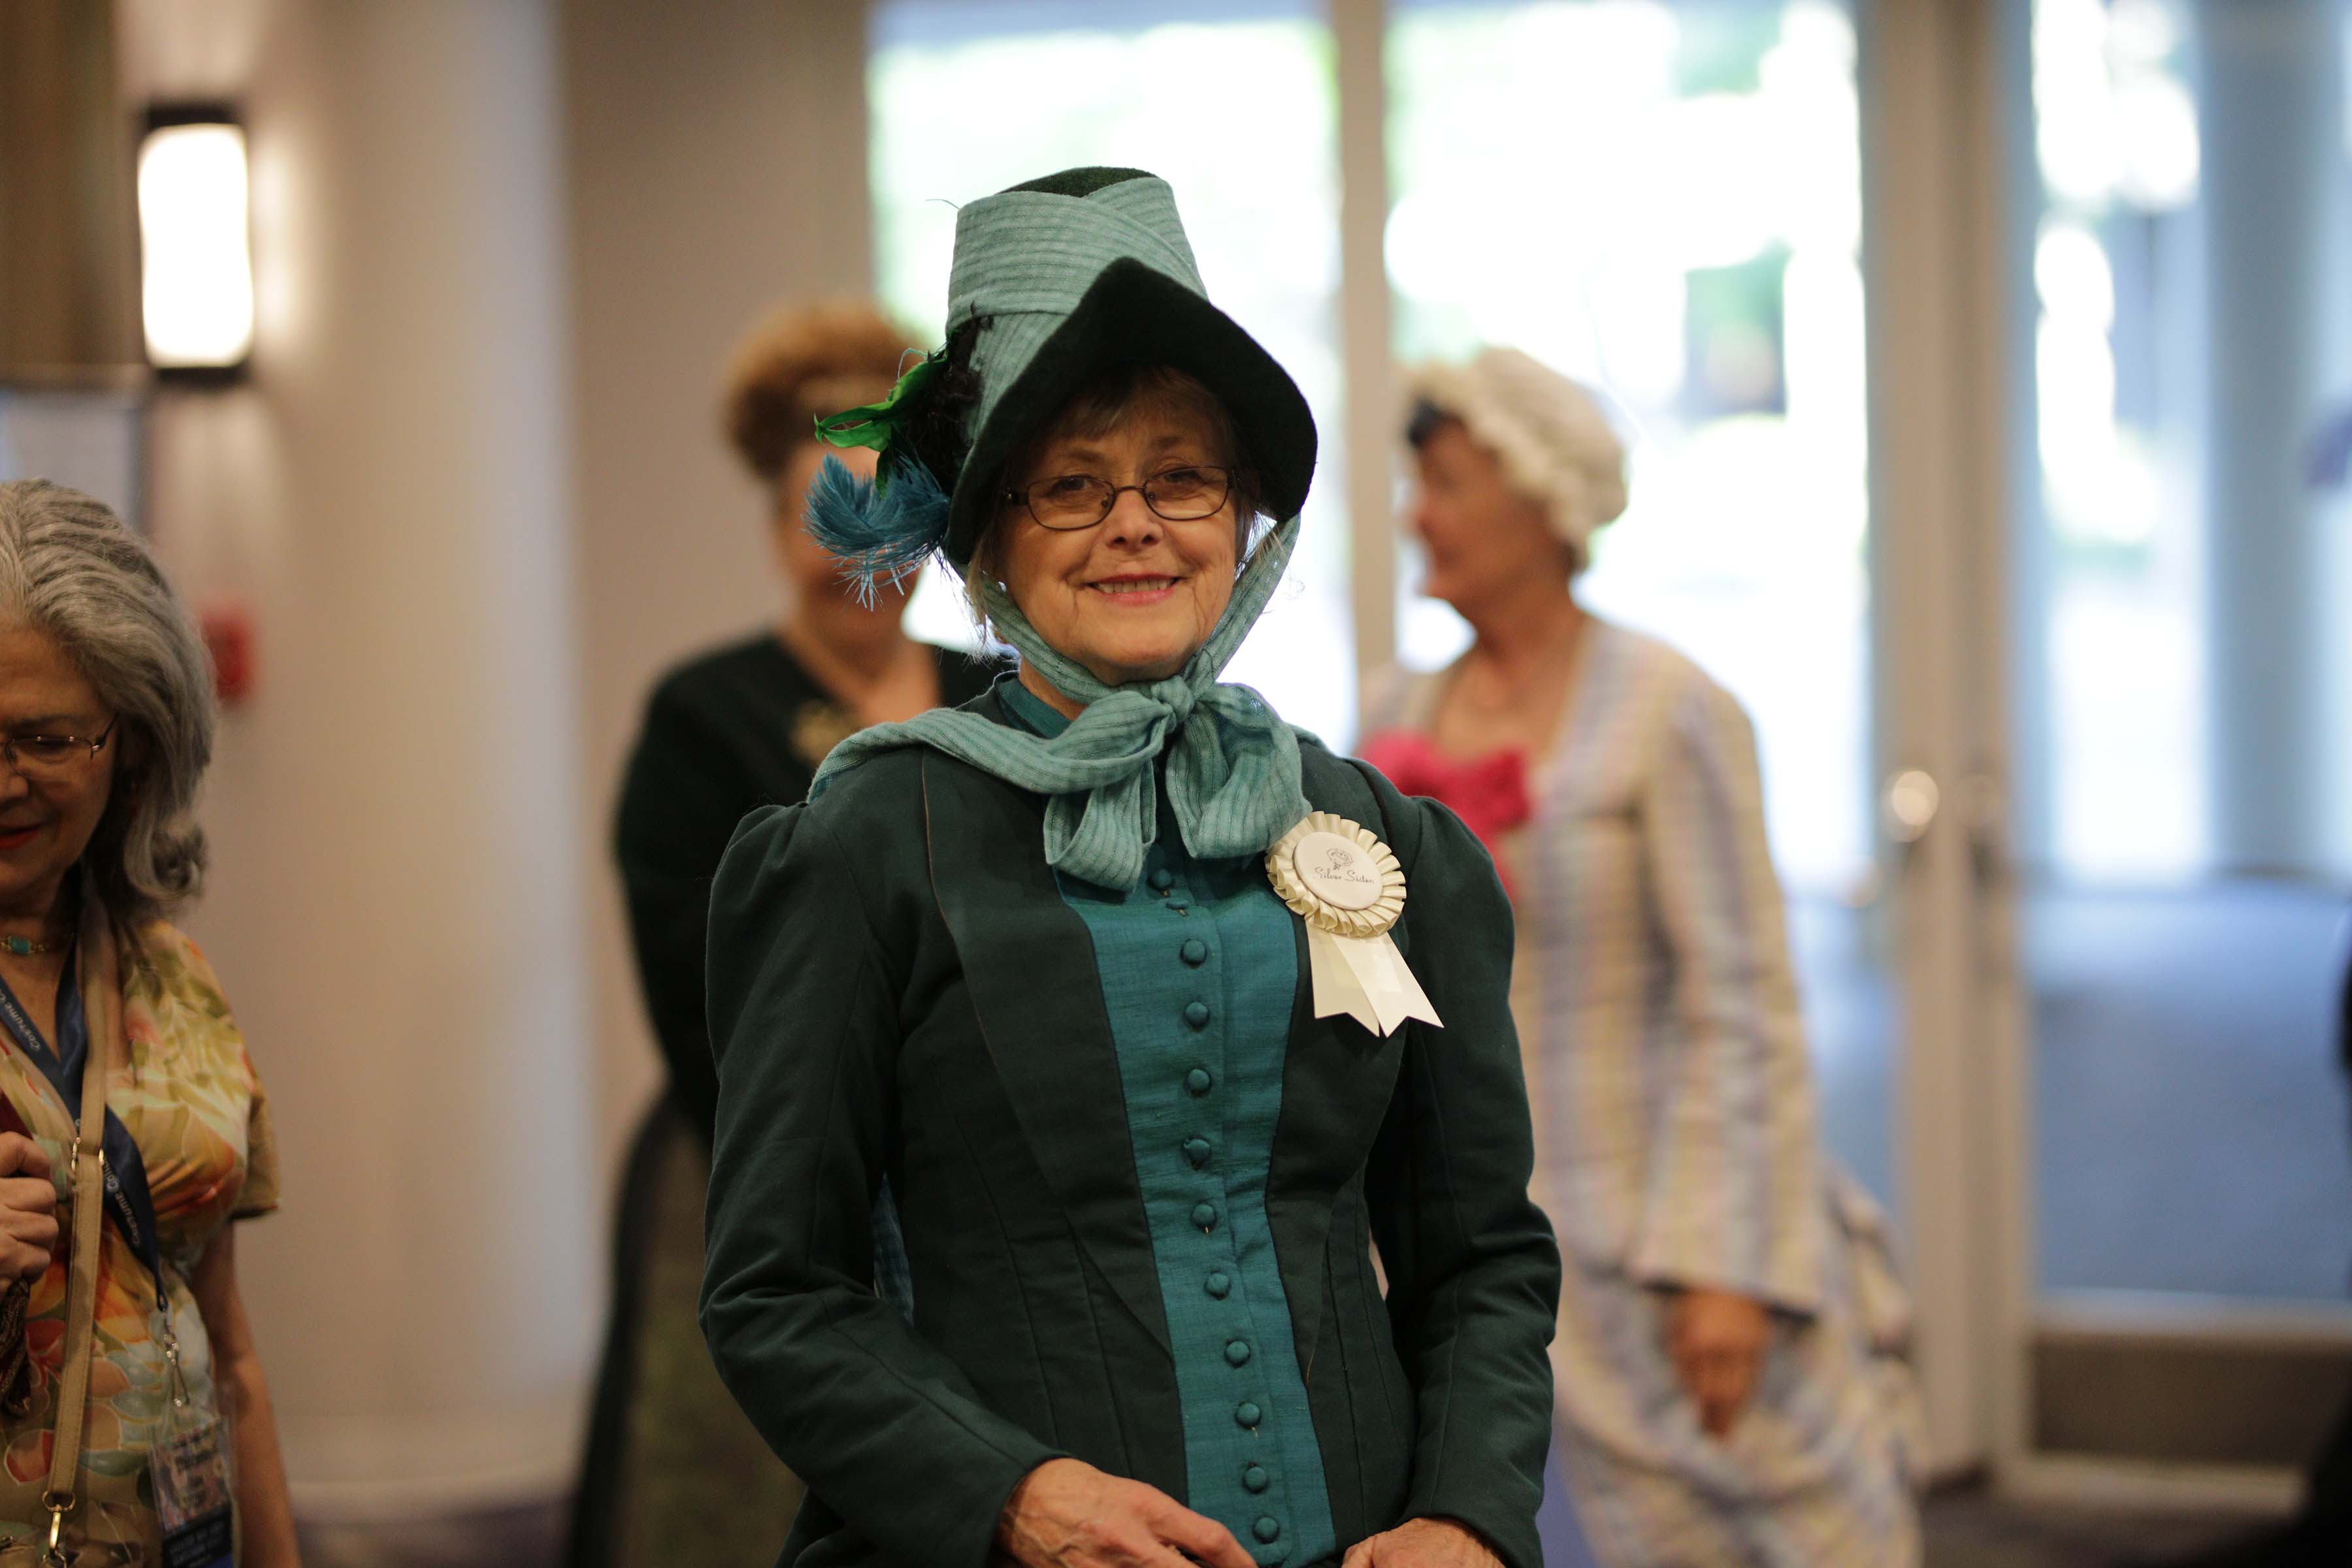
898	988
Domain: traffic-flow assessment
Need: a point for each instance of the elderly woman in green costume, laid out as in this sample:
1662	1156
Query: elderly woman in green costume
1081	1049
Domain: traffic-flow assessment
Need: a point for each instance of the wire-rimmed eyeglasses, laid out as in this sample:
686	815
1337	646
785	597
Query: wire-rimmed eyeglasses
1185	493
39	756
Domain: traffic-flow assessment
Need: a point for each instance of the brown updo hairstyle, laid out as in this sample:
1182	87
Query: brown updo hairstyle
802	364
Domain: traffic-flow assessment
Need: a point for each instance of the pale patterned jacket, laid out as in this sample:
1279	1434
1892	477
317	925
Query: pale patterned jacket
1677	1133
1677	1139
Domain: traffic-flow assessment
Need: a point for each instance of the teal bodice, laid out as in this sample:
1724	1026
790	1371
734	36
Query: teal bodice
1199	967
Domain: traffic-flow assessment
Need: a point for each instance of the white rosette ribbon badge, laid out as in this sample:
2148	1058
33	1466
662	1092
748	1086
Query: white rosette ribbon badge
1348	889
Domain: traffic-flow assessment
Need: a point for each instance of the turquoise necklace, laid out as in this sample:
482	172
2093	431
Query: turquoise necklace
26	947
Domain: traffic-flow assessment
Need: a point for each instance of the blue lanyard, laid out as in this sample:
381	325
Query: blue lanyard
127	1197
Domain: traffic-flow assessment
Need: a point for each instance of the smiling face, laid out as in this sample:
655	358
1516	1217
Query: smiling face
46	819
1480	537
1134	597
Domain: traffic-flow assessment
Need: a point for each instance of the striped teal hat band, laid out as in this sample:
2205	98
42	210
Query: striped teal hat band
1023	260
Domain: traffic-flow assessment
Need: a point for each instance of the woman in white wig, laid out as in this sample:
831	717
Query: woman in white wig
1729	1363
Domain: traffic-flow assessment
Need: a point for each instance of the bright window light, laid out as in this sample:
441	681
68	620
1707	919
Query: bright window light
196	289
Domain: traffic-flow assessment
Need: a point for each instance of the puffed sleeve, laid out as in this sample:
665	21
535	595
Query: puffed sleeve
1733	1196
1473	1271
203	998
886	1432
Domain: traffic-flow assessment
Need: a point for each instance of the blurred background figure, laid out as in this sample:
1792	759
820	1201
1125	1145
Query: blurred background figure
105	729
674	1471
1729	1365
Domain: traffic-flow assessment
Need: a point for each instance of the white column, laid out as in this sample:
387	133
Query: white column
394	907
1367	334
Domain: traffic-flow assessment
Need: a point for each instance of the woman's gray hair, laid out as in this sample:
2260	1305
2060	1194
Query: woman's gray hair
71	570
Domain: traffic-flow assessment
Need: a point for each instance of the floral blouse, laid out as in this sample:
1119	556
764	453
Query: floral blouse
190	1098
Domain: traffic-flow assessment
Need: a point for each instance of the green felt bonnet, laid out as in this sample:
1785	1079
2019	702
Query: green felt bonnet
1054	281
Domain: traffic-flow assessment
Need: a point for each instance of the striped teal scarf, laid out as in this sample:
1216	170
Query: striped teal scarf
1233	764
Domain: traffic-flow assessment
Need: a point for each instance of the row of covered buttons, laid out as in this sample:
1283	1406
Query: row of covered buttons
1195	952
1267	1529
1198	1151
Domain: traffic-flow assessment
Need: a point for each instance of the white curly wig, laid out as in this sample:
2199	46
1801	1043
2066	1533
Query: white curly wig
1549	434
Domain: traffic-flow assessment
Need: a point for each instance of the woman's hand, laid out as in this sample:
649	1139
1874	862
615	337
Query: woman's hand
1422	1543
1717	1340
28	1209
1067	1514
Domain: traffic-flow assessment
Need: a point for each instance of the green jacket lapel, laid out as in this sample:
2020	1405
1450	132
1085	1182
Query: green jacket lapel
1028	964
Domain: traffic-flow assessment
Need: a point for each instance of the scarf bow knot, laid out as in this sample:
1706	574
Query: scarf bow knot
1233	765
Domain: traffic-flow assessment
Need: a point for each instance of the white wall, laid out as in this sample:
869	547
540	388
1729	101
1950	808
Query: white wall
717	169
395	903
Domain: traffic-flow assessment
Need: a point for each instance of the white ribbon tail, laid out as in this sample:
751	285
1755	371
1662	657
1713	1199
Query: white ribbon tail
1366	978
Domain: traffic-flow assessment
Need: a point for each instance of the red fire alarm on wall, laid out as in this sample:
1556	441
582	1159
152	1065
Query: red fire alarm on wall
227	629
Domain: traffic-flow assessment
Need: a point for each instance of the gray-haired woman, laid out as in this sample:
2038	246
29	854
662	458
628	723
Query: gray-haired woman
125	1350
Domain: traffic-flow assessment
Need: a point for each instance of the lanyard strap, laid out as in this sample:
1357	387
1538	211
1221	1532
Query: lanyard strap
65	1065
96	961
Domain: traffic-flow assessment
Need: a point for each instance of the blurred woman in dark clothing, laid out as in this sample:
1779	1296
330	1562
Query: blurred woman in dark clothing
675	1473
745	724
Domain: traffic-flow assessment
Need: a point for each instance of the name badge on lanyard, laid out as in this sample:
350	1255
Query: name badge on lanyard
193	1492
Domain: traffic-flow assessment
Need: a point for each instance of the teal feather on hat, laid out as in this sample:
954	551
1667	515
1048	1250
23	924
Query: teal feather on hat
886	527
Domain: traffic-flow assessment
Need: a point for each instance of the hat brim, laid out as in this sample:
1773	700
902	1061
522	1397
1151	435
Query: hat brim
1134	314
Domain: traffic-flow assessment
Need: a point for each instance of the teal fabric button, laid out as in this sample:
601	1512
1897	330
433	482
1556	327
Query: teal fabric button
1255	1479
1196	953
1247	1415
1162	882
1268	1530
1197	1015
1198	1080
1220	1286
1205	1216
1197	1150
1237	1353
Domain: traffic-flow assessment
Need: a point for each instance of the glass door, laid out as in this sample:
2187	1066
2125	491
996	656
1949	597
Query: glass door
2182	678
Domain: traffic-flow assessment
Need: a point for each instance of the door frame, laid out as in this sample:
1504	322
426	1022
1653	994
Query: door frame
1934	173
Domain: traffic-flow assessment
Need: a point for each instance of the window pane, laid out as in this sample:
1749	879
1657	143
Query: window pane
1234	105
1530	145
1664	201
2186	663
